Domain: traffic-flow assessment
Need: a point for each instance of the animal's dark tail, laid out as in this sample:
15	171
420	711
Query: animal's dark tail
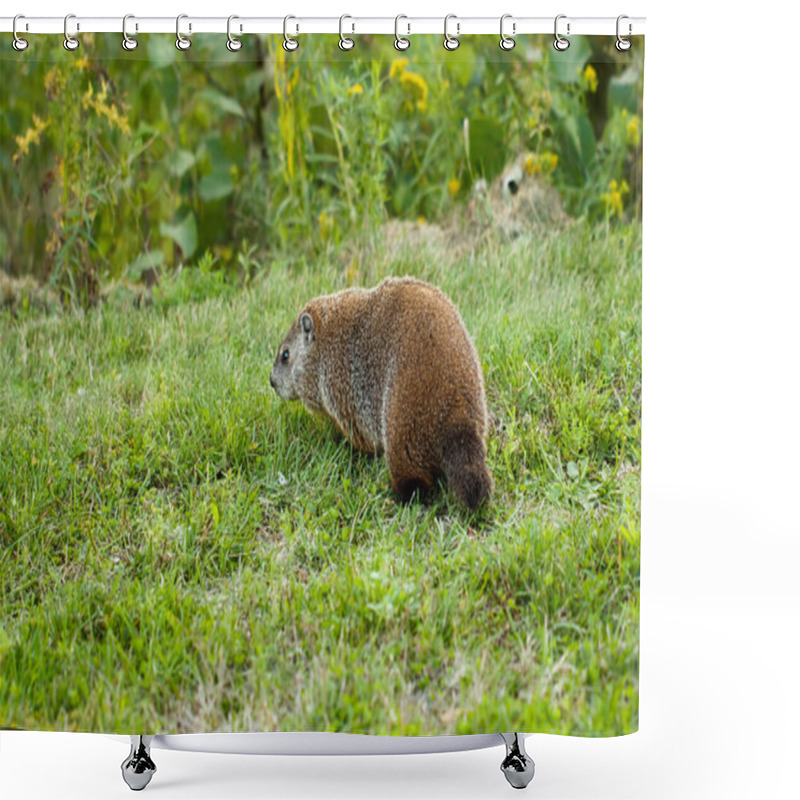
464	465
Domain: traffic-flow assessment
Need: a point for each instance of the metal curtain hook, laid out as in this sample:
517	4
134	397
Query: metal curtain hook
561	43
400	42
127	42
345	42
450	42
506	42
289	44
623	44
181	42
233	44
18	44
70	43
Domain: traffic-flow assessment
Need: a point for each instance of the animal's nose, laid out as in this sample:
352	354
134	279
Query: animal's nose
272	381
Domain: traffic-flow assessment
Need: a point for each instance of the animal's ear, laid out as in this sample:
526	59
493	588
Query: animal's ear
307	324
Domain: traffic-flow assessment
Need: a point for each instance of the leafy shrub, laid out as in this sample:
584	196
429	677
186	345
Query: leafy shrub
131	165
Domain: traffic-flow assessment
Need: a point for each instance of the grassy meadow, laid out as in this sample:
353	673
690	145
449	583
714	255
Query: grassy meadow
182	551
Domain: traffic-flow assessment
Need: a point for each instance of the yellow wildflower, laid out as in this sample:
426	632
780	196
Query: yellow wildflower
454	186
223	252
421	219
540	162
31	136
357	89
632	131
53	83
398	67
98	103
590	78
416	88
612	199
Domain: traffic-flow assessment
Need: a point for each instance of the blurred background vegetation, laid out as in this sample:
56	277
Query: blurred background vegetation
120	169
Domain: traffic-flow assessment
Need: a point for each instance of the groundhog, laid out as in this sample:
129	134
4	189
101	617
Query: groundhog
397	372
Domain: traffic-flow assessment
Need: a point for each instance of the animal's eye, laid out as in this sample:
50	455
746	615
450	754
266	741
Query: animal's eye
285	355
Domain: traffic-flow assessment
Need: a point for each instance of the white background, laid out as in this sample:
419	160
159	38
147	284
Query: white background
720	703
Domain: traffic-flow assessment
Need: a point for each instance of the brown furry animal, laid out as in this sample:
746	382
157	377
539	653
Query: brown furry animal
395	369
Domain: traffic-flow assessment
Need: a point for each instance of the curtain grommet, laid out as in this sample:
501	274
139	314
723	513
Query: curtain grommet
401	43
345	42
233	44
622	44
70	42
507	42
19	44
450	42
128	42
181	41
560	43
289	44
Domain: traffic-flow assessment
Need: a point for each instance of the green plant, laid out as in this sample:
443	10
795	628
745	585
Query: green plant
598	143
193	284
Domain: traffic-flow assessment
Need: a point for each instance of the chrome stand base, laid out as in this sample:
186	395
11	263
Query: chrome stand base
138	768
517	766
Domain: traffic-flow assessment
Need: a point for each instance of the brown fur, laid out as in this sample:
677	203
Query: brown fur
396	371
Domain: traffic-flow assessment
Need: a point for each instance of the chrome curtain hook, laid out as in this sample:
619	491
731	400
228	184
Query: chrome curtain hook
181	42
506	42
400	42
128	43
289	44
561	43
623	44
345	42
70	43
18	44
450	42
233	44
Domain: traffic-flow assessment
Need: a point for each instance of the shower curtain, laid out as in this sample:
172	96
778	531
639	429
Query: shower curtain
185	549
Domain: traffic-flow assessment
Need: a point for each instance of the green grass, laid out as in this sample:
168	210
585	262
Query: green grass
182	551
